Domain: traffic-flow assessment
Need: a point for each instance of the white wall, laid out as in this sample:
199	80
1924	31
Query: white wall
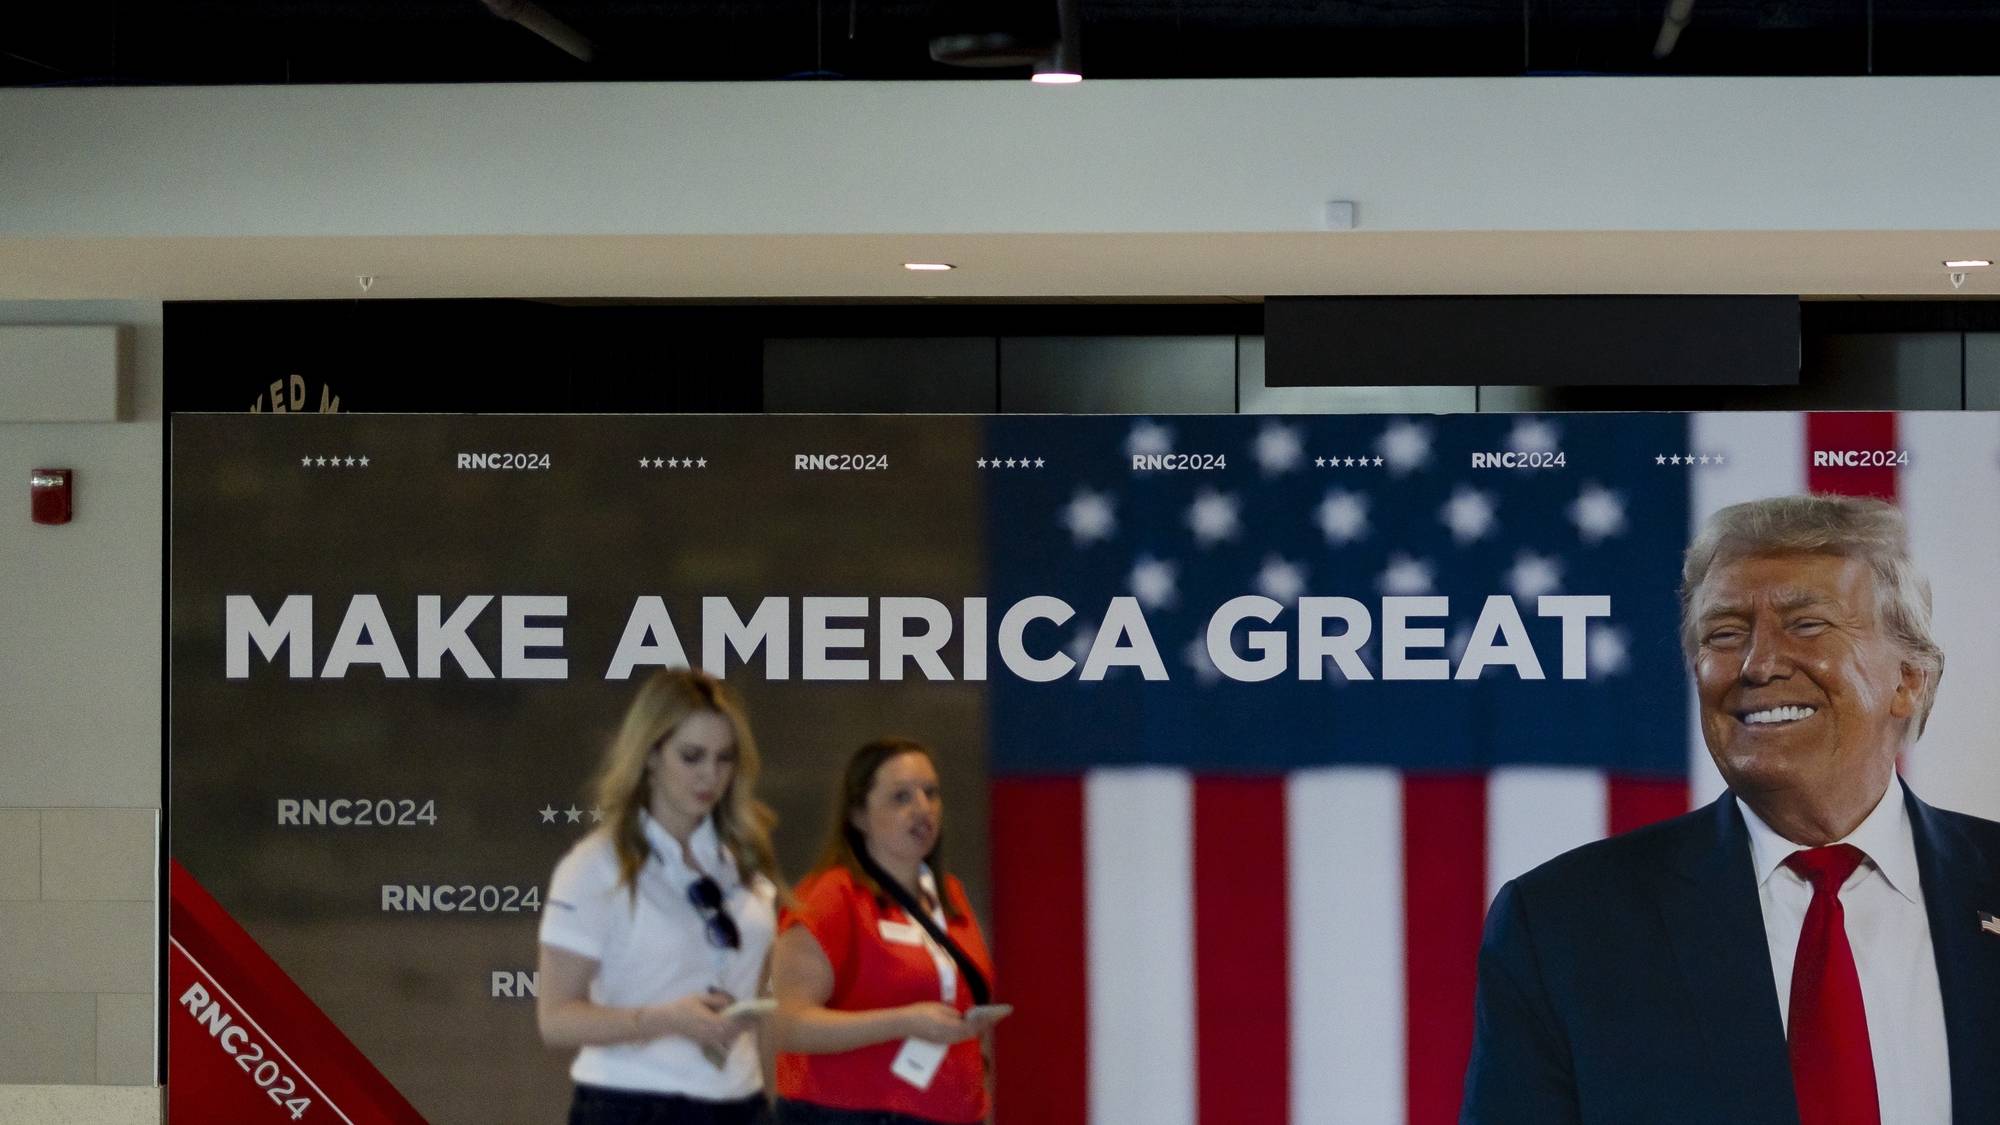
80	748
1504	154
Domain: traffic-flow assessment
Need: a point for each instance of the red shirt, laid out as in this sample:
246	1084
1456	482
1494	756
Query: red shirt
870	971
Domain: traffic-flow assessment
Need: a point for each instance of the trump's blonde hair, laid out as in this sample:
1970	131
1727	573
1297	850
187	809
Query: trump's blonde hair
1845	526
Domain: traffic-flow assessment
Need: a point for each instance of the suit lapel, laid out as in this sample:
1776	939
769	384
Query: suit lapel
1959	882
1716	927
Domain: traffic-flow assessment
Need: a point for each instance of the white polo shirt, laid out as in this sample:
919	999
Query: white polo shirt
651	947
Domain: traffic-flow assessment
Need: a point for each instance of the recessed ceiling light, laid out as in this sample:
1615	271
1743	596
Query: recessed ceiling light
929	266
1969	264
1056	78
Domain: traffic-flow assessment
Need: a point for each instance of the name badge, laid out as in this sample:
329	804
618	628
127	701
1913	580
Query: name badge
901	933
918	1062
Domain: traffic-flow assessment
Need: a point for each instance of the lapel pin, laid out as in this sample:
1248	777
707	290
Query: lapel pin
1989	923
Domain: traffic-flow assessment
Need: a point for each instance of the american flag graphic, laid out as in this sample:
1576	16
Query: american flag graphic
1220	901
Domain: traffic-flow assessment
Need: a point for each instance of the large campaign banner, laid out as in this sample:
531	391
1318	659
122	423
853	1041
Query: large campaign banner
1241	721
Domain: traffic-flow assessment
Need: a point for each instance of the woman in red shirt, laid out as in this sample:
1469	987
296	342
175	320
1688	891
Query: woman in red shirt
871	1009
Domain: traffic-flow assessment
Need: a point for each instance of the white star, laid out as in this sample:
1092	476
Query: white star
1406	445
1148	436
1039	462
306	461
1010	462
1660	460
1406	575
1704	458
1674	460
1205	671
1343	516
1534	435
685	463
364	462
1608	653
1319	462
1718	459
645	463
1598	513
659	463
574	814
1469	514
1533	575
1153	582
1089	517
1278	450
350	461
596	816
320	461
981	462
1213	517
1378	462
1281	581
548	815
701	462
1348	462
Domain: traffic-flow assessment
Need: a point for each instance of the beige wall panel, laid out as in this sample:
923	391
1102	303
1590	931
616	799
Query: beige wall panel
98	854
82	1105
76	946
20	854
125	1039
48	1037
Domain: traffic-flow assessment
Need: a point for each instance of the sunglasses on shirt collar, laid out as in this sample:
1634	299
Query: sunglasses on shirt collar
720	928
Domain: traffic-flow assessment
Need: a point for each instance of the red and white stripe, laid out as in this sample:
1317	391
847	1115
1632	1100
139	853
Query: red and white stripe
1213	949
1263	949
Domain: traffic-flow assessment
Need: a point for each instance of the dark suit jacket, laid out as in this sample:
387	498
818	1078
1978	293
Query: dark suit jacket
1629	982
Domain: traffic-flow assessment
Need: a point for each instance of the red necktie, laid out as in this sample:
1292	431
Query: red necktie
1833	1071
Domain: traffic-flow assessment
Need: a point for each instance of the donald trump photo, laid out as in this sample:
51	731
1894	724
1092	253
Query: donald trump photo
1816	947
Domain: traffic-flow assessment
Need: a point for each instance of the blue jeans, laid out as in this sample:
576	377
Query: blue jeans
595	1105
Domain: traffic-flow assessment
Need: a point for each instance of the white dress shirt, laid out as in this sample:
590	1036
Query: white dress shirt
1890	935
651	947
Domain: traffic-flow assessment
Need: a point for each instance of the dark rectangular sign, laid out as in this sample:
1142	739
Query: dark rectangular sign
1531	341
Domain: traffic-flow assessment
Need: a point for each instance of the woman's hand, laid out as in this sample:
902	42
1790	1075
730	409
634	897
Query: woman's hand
936	1022
698	1017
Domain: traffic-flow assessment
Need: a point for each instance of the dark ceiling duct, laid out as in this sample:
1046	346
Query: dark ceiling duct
994	33
538	19
1672	22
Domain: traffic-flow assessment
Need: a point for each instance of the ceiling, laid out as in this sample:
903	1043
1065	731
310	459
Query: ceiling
231	42
1011	266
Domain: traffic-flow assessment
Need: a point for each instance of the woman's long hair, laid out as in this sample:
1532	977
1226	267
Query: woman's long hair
845	842
624	784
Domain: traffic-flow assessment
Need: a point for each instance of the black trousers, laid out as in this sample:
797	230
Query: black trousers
806	1113
595	1105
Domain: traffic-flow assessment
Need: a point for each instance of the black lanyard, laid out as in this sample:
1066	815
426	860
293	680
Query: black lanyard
974	979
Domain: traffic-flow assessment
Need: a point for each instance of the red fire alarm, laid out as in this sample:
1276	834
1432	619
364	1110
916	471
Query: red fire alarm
48	494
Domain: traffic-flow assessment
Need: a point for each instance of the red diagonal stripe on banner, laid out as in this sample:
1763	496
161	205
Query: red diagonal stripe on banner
1041	945
239	1029
1242	1038
1835	439
1444	910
